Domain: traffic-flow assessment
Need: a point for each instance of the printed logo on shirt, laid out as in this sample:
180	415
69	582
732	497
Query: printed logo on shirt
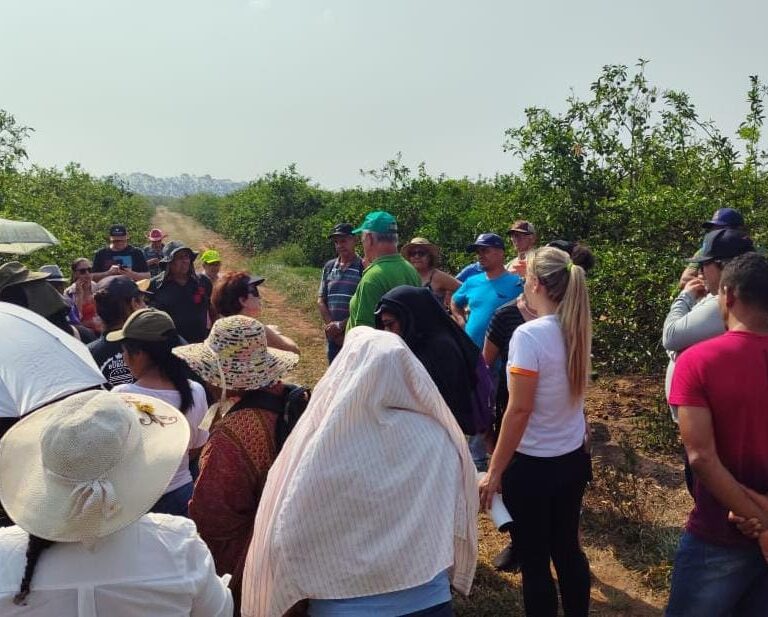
115	371
122	260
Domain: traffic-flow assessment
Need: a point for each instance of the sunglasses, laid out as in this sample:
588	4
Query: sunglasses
83	270
418	253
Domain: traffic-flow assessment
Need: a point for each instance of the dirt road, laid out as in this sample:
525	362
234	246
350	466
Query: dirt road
290	320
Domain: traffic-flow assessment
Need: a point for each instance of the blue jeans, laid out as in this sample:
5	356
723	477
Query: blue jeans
332	349
479	451
175	502
717	581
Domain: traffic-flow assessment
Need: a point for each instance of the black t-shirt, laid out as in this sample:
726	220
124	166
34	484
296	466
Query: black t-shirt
109	359
130	257
503	323
186	304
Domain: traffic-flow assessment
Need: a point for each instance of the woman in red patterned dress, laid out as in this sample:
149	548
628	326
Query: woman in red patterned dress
245	374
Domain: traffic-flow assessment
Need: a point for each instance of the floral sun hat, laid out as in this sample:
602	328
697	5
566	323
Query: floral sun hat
235	355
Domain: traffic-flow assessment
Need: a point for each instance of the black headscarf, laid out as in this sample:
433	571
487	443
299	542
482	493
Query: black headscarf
445	350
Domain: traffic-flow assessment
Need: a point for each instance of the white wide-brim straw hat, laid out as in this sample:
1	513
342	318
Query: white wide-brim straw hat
235	355
90	464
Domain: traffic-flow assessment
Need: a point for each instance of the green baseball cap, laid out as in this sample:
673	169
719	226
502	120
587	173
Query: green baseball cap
147	324
379	222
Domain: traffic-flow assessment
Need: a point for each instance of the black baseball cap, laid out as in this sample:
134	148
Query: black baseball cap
563	245
722	244
342	229
492	240
120	287
118	231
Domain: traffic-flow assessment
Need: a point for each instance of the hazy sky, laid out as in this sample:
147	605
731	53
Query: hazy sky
236	88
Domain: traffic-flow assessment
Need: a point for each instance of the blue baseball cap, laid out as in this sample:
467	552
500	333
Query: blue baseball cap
492	240
725	217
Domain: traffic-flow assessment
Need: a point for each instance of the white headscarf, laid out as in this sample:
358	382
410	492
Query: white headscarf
374	491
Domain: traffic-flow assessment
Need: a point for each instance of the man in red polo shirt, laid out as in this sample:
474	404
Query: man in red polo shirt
721	389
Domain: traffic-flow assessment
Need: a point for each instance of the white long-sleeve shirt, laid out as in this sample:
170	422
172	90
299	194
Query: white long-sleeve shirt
157	566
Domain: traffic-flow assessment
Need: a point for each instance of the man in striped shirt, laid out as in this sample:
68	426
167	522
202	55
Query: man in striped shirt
337	286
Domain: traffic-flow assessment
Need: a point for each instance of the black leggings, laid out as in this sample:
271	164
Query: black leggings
544	495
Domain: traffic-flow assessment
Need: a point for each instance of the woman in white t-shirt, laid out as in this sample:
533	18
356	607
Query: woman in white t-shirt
148	336
540	464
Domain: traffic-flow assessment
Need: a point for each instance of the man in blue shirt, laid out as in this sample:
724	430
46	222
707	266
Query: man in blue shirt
481	295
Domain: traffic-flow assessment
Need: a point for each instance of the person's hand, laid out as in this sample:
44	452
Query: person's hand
153	262
489	486
115	269
332	329
520	268
760	499
750	527
762	541
695	287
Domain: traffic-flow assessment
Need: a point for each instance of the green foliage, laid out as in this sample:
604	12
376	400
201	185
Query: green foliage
631	171
12	136
657	431
75	207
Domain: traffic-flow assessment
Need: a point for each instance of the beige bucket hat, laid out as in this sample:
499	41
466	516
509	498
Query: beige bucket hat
421	243
235	355
90	464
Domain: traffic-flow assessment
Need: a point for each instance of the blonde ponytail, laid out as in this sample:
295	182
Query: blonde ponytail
566	285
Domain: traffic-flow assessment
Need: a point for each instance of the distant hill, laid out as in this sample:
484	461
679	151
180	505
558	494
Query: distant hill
178	186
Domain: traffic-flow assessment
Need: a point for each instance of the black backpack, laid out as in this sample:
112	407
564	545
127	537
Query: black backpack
288	406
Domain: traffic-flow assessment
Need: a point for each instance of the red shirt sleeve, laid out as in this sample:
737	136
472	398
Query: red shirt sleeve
688	381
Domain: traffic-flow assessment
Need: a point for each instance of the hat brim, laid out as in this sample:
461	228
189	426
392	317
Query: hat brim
202	360
175	252
432	248
256	280
473	247
699	259
519	231
39	503
30	276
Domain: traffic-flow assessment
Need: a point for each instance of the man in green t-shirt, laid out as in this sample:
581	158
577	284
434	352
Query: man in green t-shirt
386	267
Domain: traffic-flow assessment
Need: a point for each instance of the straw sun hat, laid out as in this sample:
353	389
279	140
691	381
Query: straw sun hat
235	355
421	243
90	464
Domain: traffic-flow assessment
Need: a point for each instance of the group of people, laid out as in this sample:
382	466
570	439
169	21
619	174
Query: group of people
716	336
203	483
526	324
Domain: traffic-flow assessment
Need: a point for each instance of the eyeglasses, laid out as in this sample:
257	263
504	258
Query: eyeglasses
418	253
83	270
